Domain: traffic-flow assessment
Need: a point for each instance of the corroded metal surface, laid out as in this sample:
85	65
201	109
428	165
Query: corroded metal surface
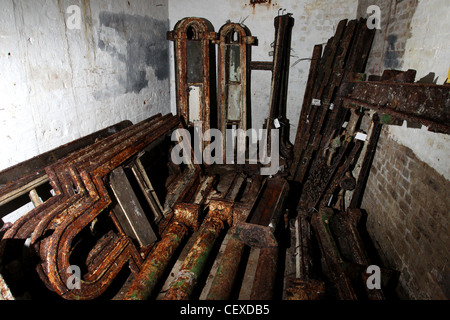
335	264
220	214
227	270
154	266
305	289
234	57
279	85
5	292
427	104
81	196
188	31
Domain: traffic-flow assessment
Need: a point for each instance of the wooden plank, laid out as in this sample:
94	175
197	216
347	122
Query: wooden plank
15	193
131	215
317	53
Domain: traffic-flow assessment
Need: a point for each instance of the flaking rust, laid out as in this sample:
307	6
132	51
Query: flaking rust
220	215
186	216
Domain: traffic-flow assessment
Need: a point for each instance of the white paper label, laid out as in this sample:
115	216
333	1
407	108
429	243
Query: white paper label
361	136
315	102
331	106
276	123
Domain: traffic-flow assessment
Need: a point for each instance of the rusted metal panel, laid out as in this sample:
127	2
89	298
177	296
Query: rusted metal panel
193	41
427	104
234	57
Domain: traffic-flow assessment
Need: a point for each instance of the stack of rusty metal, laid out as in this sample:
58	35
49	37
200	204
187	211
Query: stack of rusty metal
338	130
326	150
112	216
89	220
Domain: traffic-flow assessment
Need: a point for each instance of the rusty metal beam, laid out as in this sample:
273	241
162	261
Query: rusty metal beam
336	266
261	65
279	85
427	104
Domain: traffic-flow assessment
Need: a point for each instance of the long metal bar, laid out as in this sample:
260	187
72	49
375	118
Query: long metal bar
154	266
336	266
220	213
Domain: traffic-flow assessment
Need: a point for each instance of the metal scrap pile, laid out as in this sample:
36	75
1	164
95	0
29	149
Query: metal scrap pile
113	207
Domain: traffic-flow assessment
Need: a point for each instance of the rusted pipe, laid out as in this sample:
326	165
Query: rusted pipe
155	265
181	288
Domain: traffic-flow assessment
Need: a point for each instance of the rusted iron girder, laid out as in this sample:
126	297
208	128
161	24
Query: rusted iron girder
81	196
279	85
427	104
335	264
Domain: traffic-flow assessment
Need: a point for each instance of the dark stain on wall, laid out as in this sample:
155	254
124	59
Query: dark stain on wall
391	60
146	46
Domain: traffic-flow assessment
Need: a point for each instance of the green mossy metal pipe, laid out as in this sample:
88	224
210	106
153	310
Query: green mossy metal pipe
154	266
183	286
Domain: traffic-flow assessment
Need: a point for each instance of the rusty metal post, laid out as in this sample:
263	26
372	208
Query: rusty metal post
186	216
336	266
220	213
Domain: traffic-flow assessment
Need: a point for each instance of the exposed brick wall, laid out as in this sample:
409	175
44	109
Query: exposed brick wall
408	219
